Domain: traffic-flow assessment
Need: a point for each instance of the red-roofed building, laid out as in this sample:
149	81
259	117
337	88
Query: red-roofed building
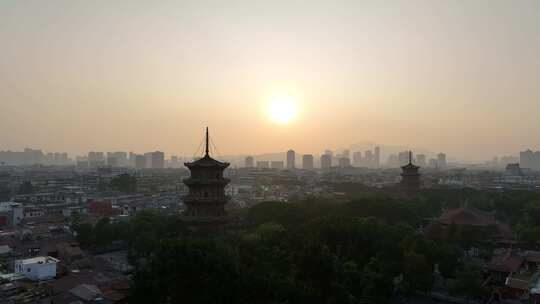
101	208
466	217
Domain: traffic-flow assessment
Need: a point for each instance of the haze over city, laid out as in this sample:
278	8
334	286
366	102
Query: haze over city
453	76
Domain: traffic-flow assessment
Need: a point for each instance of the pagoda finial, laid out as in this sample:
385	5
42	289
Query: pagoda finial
410	157
207	150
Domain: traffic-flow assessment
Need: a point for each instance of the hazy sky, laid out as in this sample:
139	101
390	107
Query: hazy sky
455	76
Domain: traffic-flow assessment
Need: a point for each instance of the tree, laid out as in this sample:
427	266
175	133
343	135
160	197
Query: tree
124	183
84	234
449	260
190	271
417	273
469	282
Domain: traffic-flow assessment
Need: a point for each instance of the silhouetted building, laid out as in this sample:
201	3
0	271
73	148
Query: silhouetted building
112	161
291	159
410	177
120	158
96	159
131	160
369	159
358	160
393	161
403	158
249	162
441	160
529	159
326	161
344	162
377	157
307	162
263	164
158	160
174	161
148	157
513	170
421	160
206	199
277	164
140	161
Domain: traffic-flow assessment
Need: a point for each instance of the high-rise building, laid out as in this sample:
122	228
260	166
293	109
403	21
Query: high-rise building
326	161
393	161
263	164
96	159
158	160
441	160
307	162
131	160
346	153
344	162
329	152
121	158
291	159
369	159
527	159
536	161
421	160
403	158
249	162
148	156
174	161
277	164
112	161
358	160
377	157
140	161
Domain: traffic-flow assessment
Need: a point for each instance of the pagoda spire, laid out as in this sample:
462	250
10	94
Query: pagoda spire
207	149
410	157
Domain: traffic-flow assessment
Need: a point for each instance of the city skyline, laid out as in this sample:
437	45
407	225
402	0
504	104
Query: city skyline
79	77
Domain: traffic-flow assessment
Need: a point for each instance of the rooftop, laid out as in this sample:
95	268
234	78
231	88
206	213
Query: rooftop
40	260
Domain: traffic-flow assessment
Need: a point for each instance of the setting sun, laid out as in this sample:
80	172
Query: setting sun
282	109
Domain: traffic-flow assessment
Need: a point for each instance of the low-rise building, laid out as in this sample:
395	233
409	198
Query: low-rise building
38	268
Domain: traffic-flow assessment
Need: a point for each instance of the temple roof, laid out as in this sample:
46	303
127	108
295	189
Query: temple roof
208	162
467	216
410	166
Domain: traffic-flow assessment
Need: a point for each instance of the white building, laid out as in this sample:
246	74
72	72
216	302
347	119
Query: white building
38	268
12	212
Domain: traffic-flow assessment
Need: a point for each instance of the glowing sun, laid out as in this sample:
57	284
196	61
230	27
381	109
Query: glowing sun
282	109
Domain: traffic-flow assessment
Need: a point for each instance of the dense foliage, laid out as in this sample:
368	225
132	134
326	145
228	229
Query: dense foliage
365	250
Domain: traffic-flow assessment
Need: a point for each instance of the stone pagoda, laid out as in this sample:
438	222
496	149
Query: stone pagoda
410	177
206	199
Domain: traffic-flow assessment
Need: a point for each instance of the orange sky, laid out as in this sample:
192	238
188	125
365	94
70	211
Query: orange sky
454	76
